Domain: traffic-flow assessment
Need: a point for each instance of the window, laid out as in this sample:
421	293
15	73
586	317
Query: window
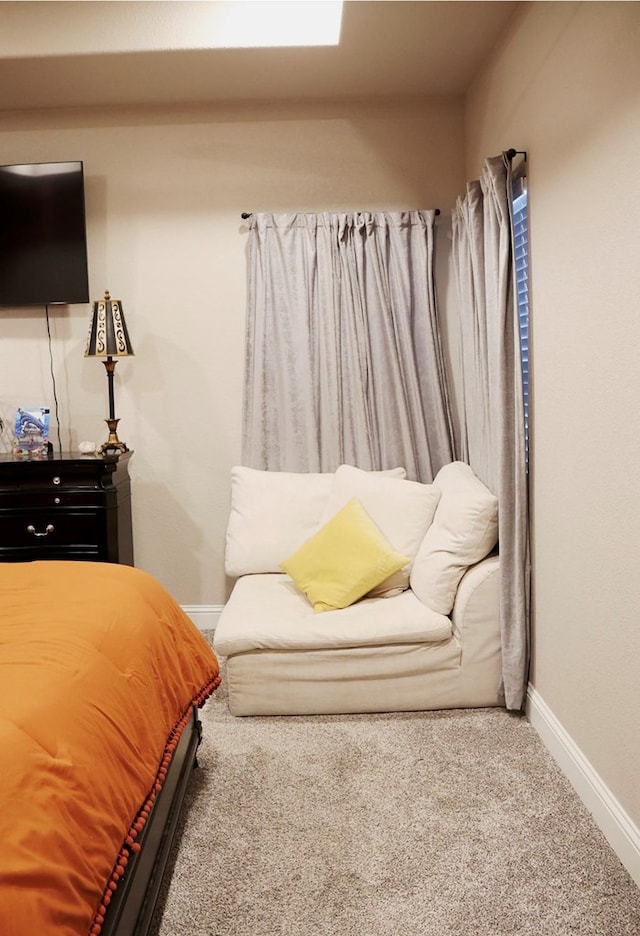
521	259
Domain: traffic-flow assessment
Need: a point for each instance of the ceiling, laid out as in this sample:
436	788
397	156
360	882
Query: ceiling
74	54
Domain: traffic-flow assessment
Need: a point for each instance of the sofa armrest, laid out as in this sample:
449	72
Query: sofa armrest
475	617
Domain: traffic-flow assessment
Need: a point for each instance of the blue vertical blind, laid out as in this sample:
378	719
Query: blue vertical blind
521	257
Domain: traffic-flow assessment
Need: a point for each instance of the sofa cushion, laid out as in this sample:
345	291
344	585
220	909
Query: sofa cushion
272	514
267	612
464	531
343	560
403	510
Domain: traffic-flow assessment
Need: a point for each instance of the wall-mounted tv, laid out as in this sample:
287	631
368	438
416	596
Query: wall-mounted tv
43	242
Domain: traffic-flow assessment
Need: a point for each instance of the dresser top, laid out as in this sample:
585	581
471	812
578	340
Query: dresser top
57	458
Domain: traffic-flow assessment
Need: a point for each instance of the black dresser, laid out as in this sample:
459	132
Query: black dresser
66	506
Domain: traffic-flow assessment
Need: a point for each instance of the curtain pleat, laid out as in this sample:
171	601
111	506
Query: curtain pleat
343	357
493	440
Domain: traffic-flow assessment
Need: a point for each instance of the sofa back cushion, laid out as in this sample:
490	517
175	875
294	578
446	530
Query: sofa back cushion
272	514
464	531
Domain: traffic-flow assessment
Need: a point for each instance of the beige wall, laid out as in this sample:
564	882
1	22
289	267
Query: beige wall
164	193
565	86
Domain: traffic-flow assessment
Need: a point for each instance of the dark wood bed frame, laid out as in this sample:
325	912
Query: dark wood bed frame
133	903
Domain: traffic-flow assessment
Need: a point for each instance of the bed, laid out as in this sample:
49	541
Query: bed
101	677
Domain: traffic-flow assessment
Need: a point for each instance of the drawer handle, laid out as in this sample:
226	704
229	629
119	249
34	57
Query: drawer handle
48	529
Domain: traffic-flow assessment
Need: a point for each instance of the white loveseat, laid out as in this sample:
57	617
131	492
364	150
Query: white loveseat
433	640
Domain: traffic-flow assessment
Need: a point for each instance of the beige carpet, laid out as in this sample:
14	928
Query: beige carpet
452	823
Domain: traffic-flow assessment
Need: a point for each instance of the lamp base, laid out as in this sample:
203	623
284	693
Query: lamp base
113	443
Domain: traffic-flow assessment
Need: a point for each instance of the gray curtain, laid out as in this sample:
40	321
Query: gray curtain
343	356
493	441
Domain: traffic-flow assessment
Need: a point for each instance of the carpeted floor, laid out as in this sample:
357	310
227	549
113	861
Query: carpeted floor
453	823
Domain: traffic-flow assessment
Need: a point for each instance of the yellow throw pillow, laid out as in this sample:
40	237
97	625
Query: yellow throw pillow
343	560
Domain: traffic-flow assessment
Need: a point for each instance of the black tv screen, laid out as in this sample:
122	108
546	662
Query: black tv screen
43	243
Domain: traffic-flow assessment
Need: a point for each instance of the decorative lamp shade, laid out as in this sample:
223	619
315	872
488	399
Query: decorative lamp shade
108	335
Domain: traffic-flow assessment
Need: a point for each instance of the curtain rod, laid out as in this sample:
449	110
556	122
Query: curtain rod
512	153
247	214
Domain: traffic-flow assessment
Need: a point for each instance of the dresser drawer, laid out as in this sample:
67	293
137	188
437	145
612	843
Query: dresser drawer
46	477
49	529
52	500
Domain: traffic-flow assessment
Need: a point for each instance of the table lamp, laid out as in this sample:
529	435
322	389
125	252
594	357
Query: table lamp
108	337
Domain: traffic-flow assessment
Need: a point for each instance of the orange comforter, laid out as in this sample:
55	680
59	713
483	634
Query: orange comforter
98	665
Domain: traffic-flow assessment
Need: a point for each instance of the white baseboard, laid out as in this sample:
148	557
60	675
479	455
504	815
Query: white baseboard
205	617
616	825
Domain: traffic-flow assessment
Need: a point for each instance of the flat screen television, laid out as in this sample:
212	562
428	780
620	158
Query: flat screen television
43	242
